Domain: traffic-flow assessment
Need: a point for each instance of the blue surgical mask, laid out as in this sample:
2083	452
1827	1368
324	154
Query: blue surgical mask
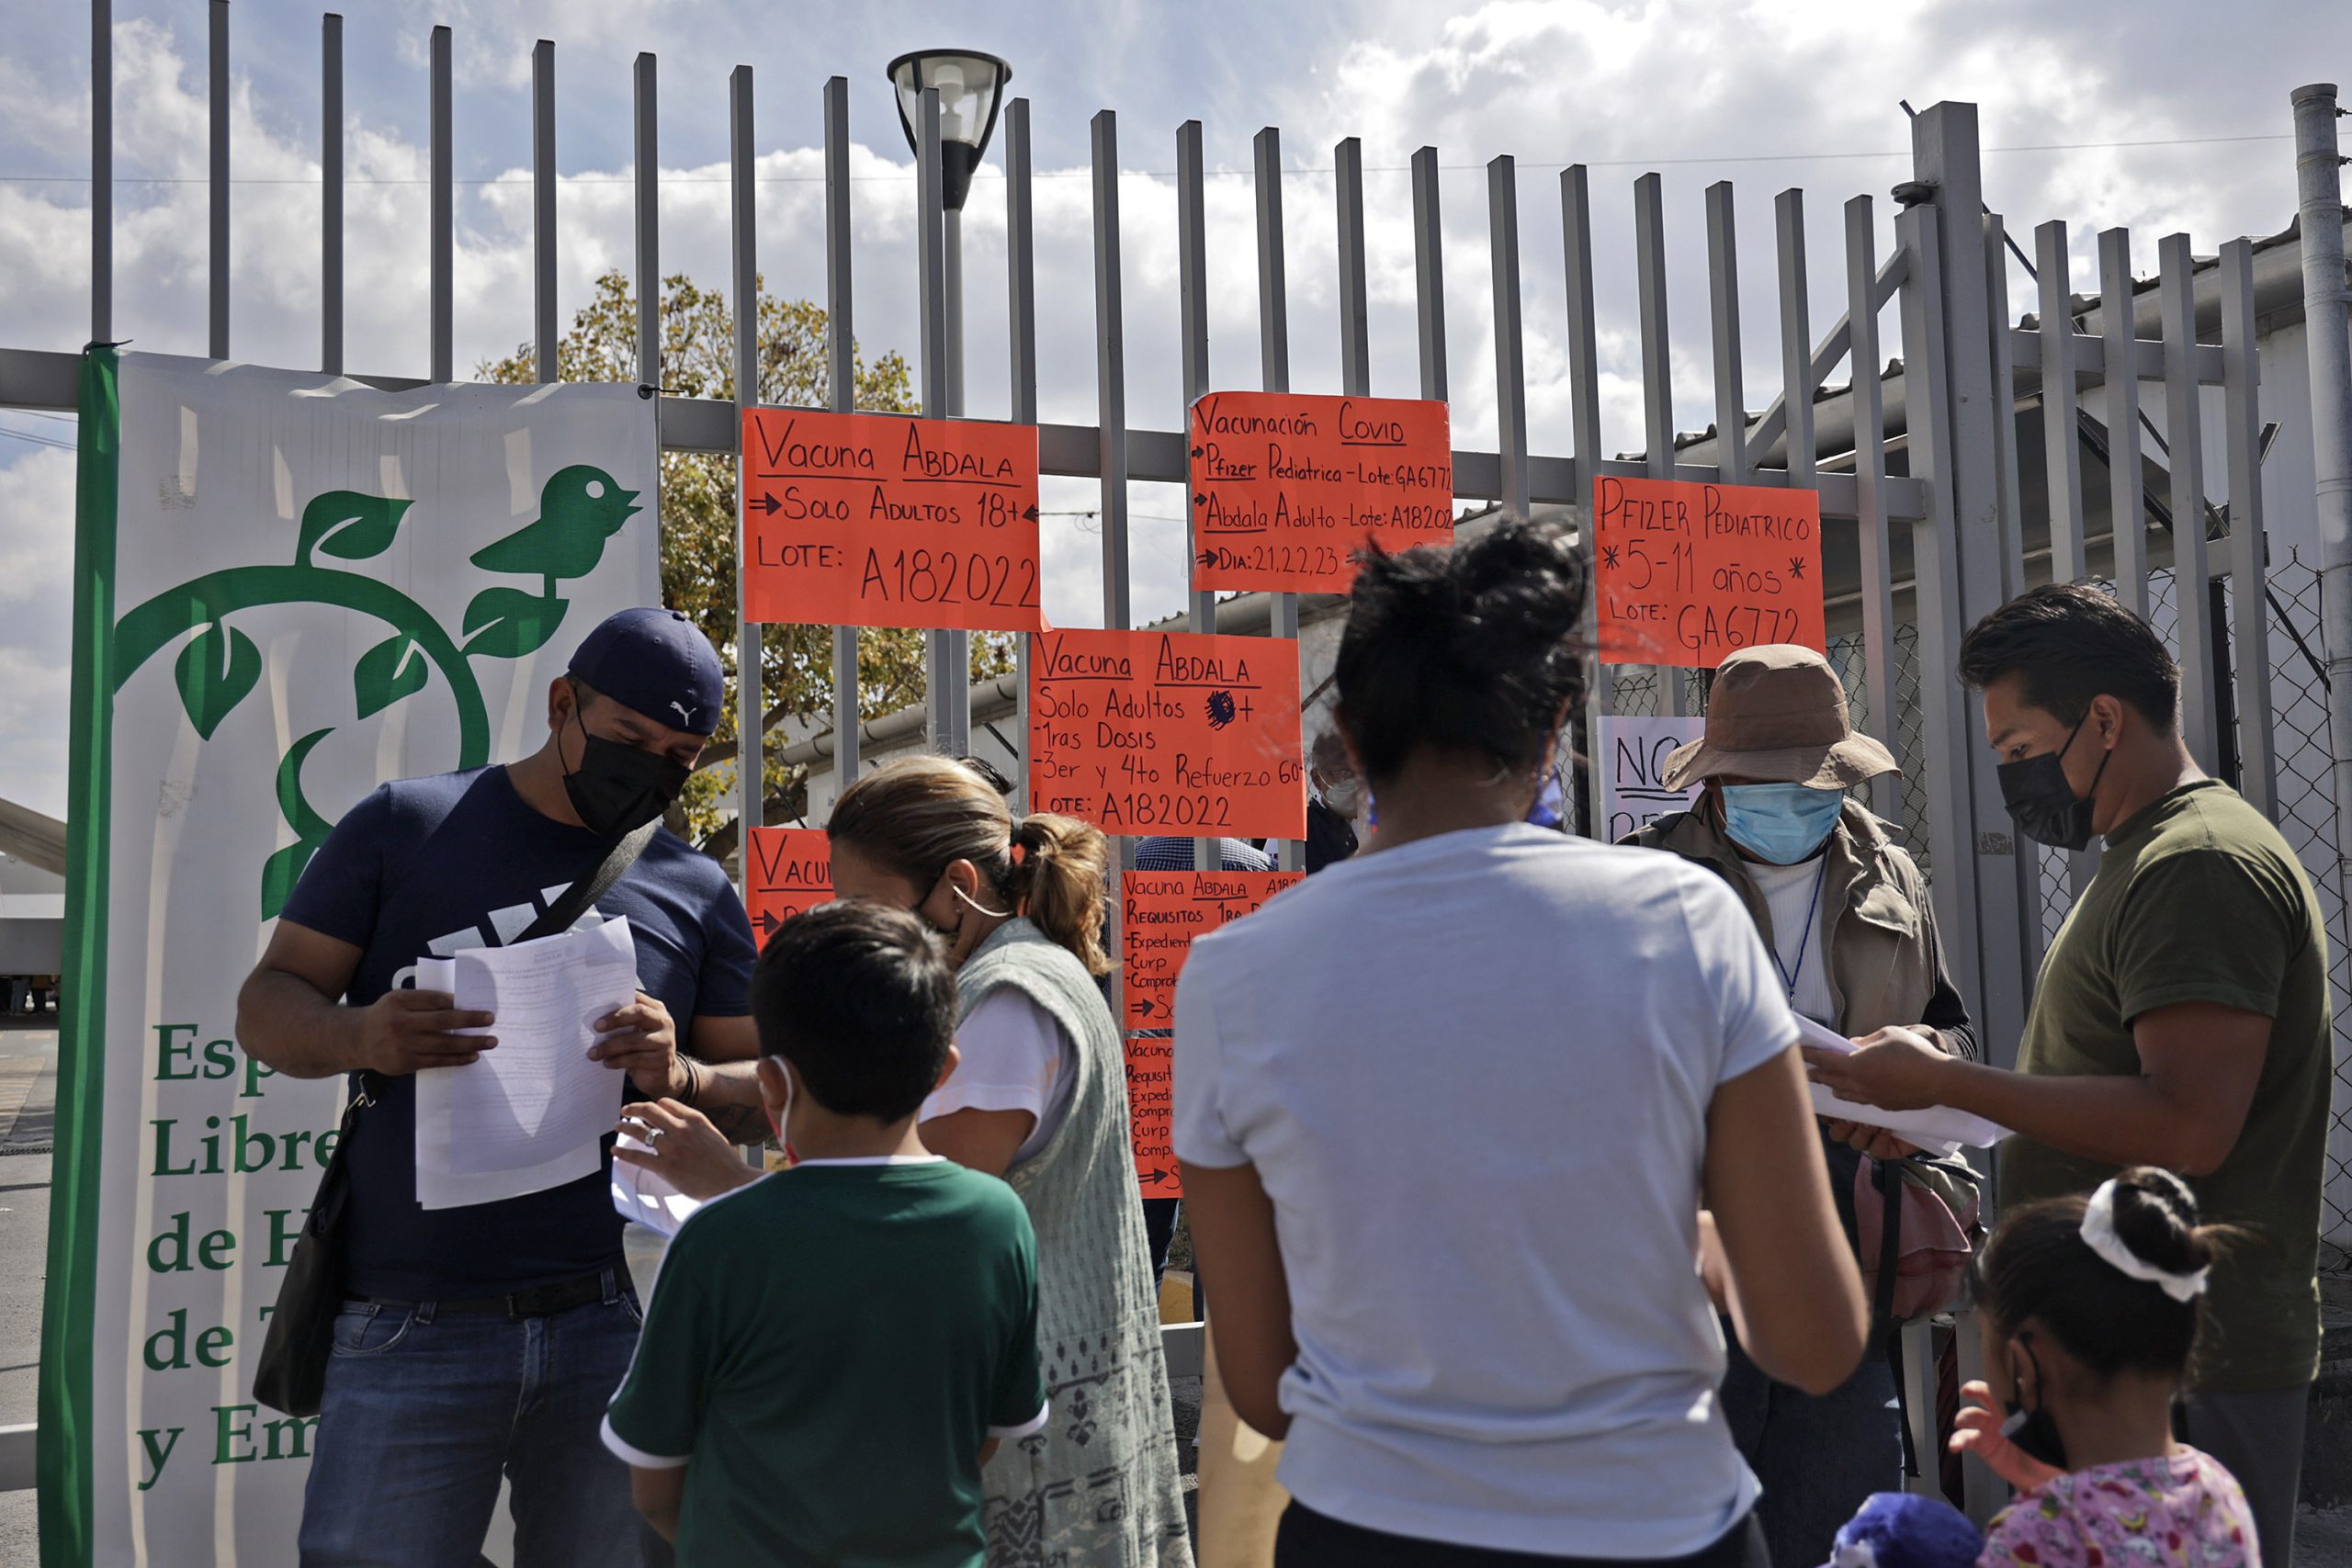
1783	823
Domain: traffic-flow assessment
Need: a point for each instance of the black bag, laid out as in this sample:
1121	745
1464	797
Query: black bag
291	1375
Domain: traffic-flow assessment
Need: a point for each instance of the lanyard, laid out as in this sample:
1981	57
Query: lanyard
1789	973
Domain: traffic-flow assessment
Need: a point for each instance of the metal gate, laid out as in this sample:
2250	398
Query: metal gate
1922	466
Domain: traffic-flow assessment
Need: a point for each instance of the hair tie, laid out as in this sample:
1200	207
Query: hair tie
1016	853
2099	1234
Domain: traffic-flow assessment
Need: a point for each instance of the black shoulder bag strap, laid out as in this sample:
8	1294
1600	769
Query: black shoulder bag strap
1888	1179
291	1374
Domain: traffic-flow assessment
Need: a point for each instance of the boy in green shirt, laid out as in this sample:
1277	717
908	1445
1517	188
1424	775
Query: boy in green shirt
832	1350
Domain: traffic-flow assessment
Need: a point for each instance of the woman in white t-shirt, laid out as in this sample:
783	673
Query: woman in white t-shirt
1449	1111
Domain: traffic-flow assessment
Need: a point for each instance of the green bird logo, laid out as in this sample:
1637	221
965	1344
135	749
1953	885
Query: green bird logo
580	508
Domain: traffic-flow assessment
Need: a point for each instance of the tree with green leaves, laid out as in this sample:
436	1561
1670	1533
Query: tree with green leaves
698	519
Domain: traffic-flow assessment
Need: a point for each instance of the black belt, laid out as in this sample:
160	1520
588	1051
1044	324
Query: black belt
544	1301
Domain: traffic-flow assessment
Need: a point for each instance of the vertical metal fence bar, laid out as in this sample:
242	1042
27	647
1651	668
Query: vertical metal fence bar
2192	611
1111	434
1511	366
442	223
1192	302
1273	354
2008	491
1797	337
1877	570
751	763
1020	317
217	167
1429	273
545	334
2026	862
946	680
1111	373
101	170
1355	331
2248	546
1946	158
1658	374
1723	315
648	136
331	194
1584	429
2062	445
2127	508
841	380
1935	557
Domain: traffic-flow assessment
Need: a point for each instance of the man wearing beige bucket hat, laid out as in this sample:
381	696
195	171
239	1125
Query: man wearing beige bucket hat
1845	915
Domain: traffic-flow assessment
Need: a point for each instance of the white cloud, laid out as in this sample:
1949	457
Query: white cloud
1698	89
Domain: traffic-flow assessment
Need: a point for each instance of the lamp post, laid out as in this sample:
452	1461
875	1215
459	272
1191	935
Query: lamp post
970	88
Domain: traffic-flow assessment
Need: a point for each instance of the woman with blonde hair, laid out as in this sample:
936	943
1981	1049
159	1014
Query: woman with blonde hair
1040	1100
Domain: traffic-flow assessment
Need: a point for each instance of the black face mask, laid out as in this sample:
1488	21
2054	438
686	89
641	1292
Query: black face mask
618	788
2042	804
2034	1433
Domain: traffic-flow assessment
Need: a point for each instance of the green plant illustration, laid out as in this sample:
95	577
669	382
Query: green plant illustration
219	666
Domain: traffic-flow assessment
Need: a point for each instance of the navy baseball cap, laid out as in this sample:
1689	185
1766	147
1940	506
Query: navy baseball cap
659	663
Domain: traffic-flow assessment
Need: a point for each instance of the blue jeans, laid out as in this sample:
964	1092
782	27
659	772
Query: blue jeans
1819	1459
426	1410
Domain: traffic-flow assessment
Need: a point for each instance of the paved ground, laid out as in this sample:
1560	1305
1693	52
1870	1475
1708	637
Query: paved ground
28	1101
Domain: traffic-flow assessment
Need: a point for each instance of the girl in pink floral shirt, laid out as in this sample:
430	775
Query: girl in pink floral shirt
2090	1310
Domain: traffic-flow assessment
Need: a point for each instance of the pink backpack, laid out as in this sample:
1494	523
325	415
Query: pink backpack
1932	1236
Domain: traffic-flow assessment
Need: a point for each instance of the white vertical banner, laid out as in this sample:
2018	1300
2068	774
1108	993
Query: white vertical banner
316	587
1633	753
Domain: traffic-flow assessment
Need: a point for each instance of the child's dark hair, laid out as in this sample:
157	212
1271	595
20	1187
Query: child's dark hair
2069	642
2037	1267
1470	650
859	998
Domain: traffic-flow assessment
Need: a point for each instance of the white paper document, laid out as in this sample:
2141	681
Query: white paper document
644	1196
530	1113
1939	1127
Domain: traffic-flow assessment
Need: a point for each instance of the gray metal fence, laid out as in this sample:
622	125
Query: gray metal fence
1918	467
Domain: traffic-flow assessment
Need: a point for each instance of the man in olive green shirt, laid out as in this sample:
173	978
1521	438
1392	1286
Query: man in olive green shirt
2181	1018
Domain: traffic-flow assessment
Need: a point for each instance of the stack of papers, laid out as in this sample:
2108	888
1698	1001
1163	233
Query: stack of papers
1938	1128
532	1113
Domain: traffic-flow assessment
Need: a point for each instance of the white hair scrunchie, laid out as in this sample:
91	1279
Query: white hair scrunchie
2099	1233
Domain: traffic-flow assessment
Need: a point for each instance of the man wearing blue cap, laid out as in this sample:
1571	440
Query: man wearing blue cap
484	1342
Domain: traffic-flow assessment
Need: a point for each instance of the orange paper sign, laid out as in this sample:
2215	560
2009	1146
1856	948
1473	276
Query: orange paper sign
881	520
1165	910
1688	573
1168	732
792	872
1286	488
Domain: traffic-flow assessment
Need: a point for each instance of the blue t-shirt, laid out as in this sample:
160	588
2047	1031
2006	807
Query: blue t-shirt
425	867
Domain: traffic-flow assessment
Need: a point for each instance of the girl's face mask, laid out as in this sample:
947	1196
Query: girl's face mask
2034	1432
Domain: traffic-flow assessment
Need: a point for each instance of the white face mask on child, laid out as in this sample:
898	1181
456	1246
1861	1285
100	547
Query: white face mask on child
782	1121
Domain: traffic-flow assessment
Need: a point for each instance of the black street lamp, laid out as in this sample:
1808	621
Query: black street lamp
971	88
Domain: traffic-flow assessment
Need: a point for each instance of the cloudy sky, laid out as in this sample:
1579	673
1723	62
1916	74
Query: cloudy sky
2151	115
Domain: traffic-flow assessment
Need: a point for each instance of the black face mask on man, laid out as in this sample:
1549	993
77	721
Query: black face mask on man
617	789
2042	804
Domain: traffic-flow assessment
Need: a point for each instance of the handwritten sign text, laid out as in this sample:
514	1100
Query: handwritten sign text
1286	488
1633	753
792	872
882	520
1168	732
1687	573
1164	910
